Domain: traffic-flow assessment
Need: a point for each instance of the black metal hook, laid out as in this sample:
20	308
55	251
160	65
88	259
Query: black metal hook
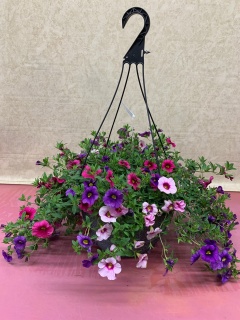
136	52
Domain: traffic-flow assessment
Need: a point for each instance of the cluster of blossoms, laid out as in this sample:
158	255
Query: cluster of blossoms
118	199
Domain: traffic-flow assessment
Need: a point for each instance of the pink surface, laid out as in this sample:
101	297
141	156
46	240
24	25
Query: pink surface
54	285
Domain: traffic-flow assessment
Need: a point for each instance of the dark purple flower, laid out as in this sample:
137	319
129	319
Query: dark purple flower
114	148
39	163
220	190
70	192
195	257
113	198
169	265
89	183
145	169
20	242
8	235
209	253
145	134
106	168
6	256
19	252
225	276
82	155
225	258
210	242
90	195
94	142
2	226
105	158
211	219
217	264
154	180
90	262
85	242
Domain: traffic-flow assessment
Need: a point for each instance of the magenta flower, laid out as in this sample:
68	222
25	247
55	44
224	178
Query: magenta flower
73	163
109	178
167	185
168	165
107	214
168	140
149	208
133	180
88	173
90	195
109	268
153	233
29	213
205	183
124	163
150	165
113	198
104	232
42	229
149	220
179	205
168	206
143	259
85	207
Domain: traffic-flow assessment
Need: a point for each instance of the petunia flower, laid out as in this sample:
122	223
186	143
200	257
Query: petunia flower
226	258
168	140
154	181
142	144
143	259
179	205
85	242
112	249
89	183
149	220
145	134
6	256
138	244
205	183
209	253
105	159
20	242
153	233
168	206
107	214
42	229
133	180
220	190
150	165
195	257
109	178
113	198
85	207
118	212
88	173
109	268
73	163
70	192
90	195
104	232
149	208
168	165
167	185
124	163
29	213
90	262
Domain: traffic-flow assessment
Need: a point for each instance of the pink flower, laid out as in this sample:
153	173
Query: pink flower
142	144
124	163
109	178
153	233
133	180
168	140
168	206
109	268
88	173
167	185
149	208
179	205
150	165
149	220
85	207
104	232
72	163
205	183
107	214
29	213
42	229
143	259
138	244
112	249
168	165
118	212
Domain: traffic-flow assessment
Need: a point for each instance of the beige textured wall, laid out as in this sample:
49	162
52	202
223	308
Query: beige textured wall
60	61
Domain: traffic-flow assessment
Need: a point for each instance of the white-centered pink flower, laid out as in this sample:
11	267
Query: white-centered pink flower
107	214
149	208
118	212
149	220
138	244
168	206
153	233
142	144
104	232
109	268
167	185
179	205
143	259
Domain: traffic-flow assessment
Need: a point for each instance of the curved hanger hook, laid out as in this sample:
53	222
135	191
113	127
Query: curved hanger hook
136	52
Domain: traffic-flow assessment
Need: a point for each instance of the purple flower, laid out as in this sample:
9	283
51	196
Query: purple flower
20	242
7	235
225	258
169	265
211	219
82	155
145	134
106	168
105	158
90	262
39	163
90	195
209	253
85	242
70	192
94	142
220	190
2	226
113	198
19	252
154	180
89	183
225	276
6	256
195	257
